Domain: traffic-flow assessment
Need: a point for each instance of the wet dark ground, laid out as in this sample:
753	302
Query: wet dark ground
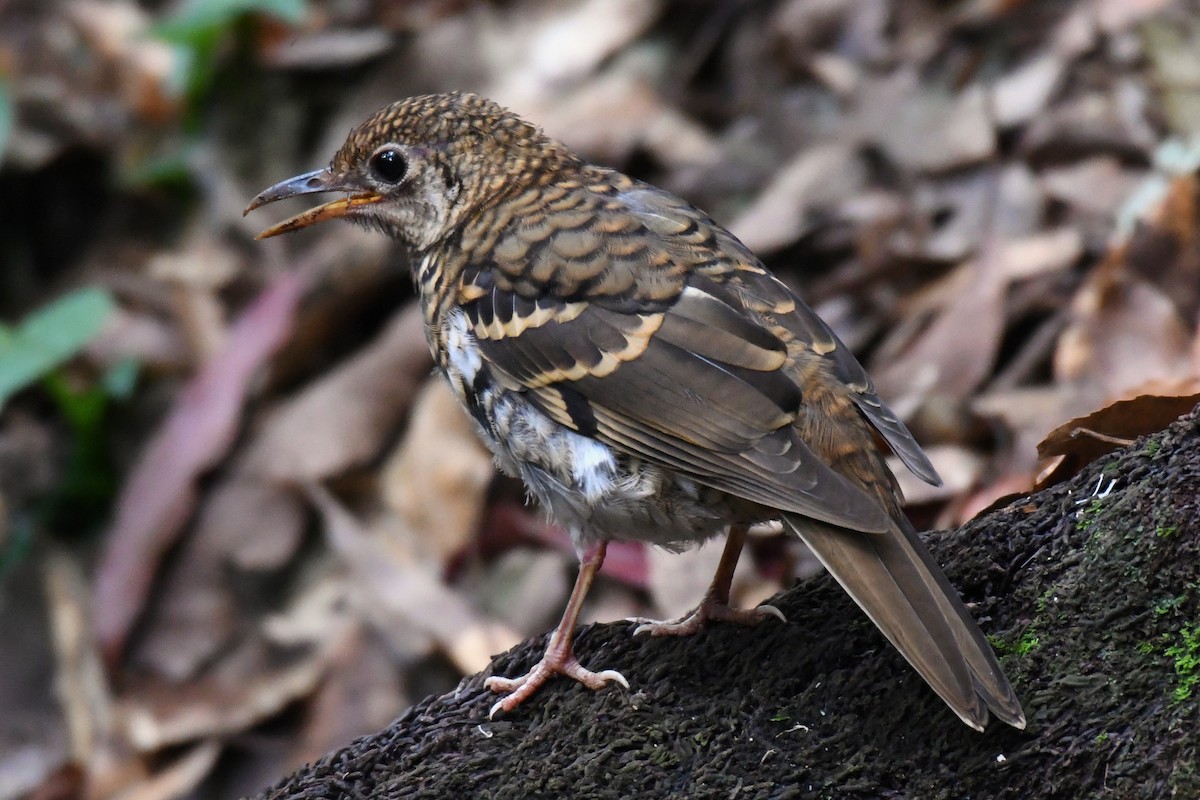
1093	601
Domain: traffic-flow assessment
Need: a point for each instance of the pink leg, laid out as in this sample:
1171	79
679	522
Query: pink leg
715	603
559	658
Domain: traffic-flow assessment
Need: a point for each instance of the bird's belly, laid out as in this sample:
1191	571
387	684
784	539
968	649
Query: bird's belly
594	491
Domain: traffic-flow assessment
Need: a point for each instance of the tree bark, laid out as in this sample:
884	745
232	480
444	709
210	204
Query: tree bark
1090	592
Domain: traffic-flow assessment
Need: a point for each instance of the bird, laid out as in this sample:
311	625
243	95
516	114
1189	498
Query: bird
646	377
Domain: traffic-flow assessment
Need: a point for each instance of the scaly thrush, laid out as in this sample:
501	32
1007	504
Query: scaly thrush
646	377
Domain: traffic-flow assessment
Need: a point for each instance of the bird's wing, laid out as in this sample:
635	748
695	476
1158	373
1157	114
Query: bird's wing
629	316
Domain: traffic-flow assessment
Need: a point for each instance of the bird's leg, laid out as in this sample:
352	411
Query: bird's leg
715	604
559	658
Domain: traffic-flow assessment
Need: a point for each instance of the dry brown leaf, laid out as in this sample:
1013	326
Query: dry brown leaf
361	694
346	416
1115	16
143	66
677	581
242	524
924	129
526	587
1029	413
959	467
159	495
1164	243
1024	92
80	685
822	175
543	48
180	777
956	353
1091	123
1084	439
1171	46
609	116
257	526
1049	251
142	337
279	660
1123	333
989	495
403	598
324	49
437	478
1096	187
34	737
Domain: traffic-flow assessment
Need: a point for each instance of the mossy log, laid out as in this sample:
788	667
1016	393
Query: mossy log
1090	591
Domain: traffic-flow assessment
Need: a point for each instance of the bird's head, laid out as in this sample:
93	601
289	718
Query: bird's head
417	168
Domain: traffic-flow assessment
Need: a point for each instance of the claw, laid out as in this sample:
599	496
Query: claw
614	676
523	687
707	610
772	611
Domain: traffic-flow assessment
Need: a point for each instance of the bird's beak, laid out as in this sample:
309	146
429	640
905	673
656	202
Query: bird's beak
321	180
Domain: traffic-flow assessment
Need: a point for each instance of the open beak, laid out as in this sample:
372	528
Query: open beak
321	180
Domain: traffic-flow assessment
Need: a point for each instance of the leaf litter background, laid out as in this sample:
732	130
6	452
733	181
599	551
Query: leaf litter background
240	523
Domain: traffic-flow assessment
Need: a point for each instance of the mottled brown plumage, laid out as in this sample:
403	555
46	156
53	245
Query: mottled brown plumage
646	376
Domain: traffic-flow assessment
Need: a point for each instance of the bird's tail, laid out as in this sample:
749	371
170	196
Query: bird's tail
895	581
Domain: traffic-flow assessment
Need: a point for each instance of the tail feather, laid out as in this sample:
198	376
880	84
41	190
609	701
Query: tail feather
895	581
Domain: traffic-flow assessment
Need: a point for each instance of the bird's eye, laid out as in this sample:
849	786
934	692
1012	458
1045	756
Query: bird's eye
389	166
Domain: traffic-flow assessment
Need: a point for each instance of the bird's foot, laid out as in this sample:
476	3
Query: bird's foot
553	663
709	609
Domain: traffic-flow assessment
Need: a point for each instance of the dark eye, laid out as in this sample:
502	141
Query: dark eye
389	166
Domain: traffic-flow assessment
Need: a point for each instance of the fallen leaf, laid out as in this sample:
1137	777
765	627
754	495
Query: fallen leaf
958	349
959	467
924	129
346	416
244	526
436	480
401	596
278	661
527	587
1021	94
180	777
361	694
34	737
160	493
1123	332
1096	187
819	176
1084	439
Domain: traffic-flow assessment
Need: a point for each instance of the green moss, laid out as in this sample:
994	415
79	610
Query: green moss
1044	600
1023	646
1186	653
1169	604
1102	737
1087	517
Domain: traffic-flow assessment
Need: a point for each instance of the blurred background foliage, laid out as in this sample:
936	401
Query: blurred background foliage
240	524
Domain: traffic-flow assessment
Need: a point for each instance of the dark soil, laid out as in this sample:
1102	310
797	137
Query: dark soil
1090	591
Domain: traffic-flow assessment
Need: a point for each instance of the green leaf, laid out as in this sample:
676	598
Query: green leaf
6	115
120	381
48	337
197	22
